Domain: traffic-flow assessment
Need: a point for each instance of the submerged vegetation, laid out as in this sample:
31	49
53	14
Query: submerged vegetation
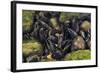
55	36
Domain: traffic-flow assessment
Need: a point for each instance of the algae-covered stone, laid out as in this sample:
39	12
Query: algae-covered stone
67	15
78	43
86	25
27	19
54	22
78	55
31	47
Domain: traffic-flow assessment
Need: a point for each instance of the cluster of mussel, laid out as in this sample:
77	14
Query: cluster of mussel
58	38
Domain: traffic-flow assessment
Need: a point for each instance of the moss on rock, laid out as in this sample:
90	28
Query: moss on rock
31	47
27	19
67	15
78	55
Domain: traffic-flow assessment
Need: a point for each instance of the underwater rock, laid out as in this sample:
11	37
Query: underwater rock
85	25
78	43
29	49
78	55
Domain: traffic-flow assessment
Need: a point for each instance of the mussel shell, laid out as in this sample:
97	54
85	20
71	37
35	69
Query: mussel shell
82	34
33	58
53	38
85	17
66	43
74	24
55	14
57	55
44	24
71	34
